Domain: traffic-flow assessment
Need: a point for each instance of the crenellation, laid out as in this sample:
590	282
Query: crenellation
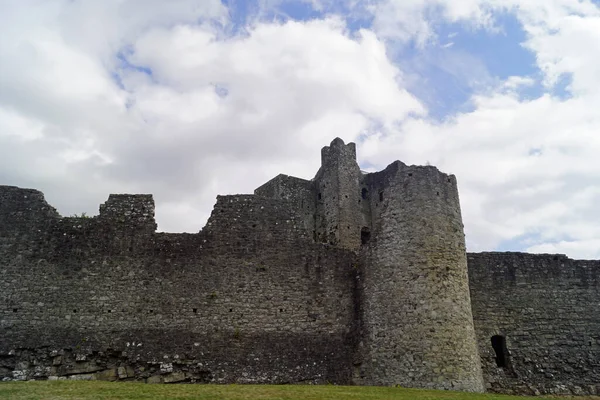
348	278
126	211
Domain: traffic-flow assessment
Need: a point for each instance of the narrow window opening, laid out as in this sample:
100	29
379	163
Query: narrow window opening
74	311
438	193
15	309
380	196
319	196
231	310
499	345
364	193
410	174
195	310
365	235
281	310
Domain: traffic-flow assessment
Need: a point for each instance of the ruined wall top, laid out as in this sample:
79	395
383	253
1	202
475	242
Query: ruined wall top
339	195
136	211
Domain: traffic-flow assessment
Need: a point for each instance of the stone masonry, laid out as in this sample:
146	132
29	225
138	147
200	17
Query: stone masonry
348	278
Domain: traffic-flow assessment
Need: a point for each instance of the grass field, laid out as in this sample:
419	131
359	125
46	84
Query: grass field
112	390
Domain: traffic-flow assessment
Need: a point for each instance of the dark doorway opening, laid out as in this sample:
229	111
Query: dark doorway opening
365	235
364	193
499	345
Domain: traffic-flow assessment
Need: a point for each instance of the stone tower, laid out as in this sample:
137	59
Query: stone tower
418	325
338	217
405	221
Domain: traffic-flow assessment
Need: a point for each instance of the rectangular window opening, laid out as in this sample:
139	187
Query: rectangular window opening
499	346
365	235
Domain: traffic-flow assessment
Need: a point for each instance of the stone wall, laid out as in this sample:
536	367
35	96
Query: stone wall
348	278
543	312
251	298
23	215
299	192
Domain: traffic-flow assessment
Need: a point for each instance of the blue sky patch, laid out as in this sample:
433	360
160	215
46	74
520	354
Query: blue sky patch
460	61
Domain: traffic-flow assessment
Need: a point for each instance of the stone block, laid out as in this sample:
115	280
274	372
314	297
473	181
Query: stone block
107	375
155	379
81	368
175	377
82	377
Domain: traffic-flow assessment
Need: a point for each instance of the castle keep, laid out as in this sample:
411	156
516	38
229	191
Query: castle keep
349	278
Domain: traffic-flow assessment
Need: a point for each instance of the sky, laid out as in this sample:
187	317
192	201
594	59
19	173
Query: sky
188	99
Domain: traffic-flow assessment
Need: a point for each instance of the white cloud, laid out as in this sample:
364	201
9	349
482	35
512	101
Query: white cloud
583	249
526	168
202	113
516	82
414	20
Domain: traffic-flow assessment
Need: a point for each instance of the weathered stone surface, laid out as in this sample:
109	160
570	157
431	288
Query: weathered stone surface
546	308
174	377
346	278
155	379
79	368
122	372
415	284
82	377
107	375
5	372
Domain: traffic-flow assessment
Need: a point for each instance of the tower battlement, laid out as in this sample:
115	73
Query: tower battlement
338	151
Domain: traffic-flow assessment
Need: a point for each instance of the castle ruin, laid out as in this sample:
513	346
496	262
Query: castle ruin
349	278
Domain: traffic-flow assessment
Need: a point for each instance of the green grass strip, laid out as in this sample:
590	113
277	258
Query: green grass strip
128	390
